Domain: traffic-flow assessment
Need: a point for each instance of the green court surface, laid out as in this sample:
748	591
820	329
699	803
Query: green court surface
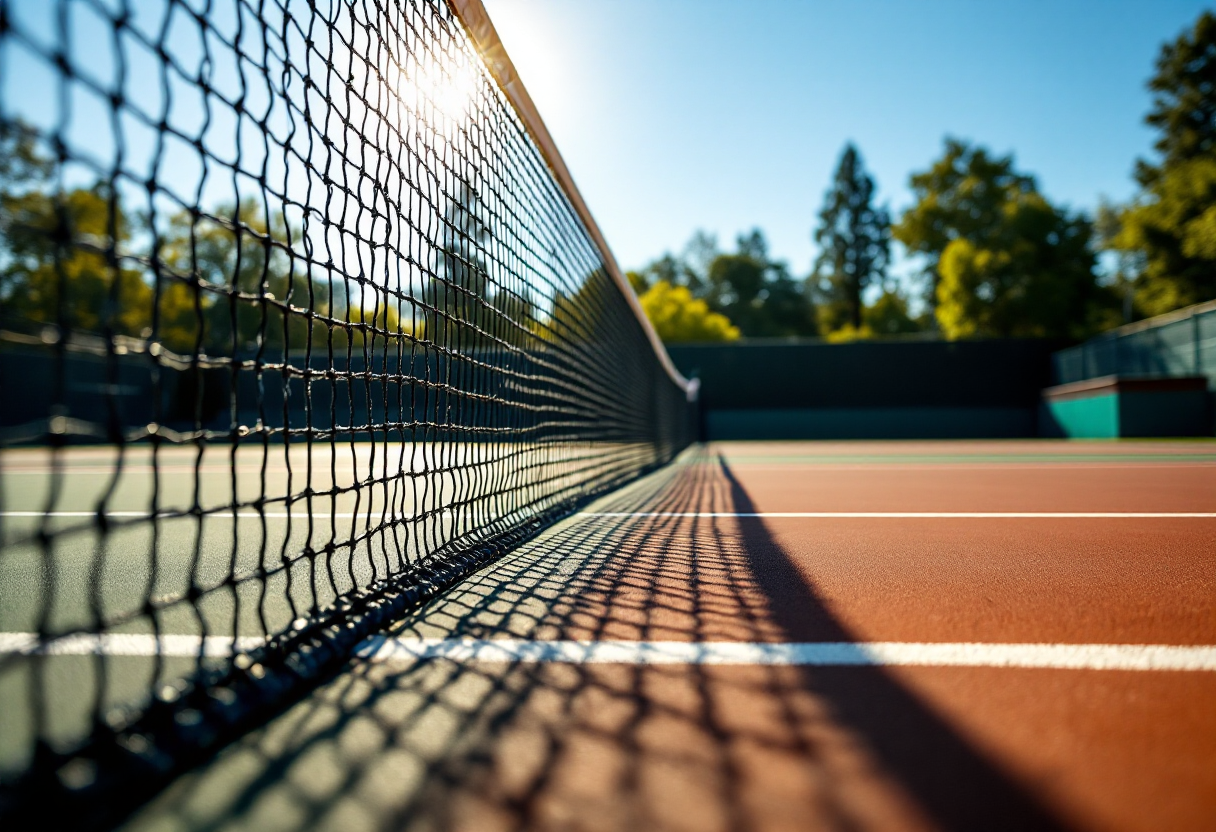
242	545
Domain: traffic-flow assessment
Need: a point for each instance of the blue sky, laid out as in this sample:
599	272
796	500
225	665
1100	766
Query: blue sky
675	115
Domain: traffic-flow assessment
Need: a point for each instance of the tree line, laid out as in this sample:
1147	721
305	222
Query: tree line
222	281
239	279
997	258
230	279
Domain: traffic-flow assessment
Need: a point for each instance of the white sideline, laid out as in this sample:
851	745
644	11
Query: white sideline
125	644
917	515
822	654
810	515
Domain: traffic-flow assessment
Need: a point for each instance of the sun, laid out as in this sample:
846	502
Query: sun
440	90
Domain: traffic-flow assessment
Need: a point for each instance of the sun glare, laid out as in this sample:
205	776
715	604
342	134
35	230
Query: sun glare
440	90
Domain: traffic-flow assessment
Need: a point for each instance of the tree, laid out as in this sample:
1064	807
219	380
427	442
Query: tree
961	195
678	317
463	304
758	294
854	241
1184	100
755	293
673	270
1003	261
889	315
229	285
1128	265
1172	223
60	259
220	280
1033	278
457	298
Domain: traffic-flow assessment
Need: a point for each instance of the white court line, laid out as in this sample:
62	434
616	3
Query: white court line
126	644
821	654
928	515
965	466
302	514
825	654
808	515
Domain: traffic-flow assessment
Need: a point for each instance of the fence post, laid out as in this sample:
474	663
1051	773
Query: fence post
1196	359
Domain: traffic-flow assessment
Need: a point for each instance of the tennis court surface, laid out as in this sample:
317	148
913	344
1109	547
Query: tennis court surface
345	484
1030	643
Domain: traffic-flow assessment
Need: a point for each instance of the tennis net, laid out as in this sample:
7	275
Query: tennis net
302	320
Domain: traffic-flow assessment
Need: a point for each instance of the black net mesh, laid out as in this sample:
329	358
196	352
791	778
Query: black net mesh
297	327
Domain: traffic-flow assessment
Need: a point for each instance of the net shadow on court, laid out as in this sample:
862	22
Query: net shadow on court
440	744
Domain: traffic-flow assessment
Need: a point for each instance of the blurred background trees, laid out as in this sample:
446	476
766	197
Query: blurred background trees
58	259
728	294
854	239
224	281
996	257
1002	261
1169	229
680	317
982	252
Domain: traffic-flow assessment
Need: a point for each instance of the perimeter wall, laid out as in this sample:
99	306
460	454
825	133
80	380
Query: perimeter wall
870	389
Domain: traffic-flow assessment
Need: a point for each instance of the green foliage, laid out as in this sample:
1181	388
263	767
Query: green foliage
231	273
223	282
362	327
1184	99
889	315
21	165
854	242
57	269
962	195
674	270
462	304
1171	226
886	317
1004	261
60	252
574	318
678	317
757	295
1035	280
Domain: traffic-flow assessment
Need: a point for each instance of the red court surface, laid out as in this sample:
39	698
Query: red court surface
692	554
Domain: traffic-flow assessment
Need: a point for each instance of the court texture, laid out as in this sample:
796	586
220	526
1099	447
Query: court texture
780	636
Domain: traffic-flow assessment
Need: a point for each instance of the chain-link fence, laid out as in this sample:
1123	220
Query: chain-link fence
1181	343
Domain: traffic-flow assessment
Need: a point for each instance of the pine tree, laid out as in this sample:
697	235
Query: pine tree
1171	226
854	239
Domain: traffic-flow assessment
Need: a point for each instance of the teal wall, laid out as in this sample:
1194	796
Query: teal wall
1126	414
1094	417
869	389
871	423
